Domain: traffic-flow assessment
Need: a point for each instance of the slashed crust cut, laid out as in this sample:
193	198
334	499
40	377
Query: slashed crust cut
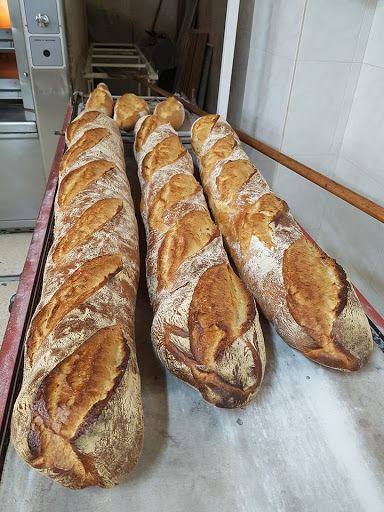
304	292
88	141
206	329
86	117
78	417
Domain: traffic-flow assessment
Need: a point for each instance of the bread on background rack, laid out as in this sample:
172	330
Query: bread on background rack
171	111
100	99
304	292
128	110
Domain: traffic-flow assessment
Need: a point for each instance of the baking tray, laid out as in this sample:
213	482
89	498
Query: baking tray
312	439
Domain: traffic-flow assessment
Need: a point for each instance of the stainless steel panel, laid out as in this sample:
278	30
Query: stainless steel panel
52	95
9	84
10	89
46	51
24	135
10	127
22	180
6	34
12	113
34	8
6	40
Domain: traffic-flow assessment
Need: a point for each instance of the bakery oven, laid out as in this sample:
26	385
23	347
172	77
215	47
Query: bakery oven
34	94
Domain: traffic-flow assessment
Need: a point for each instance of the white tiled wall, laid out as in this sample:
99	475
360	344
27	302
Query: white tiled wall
349	94
374	53
267	93
316	100
314	88
306	200
364	134
277	26
331	30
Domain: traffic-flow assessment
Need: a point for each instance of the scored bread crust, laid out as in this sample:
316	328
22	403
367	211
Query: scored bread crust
303	291
205	329
171	111
100	99
78	417
128	110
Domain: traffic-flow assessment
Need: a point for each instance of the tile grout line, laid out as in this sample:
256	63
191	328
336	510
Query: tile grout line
361	24
348	82
370	30
362	170
381	252
291	87
341	108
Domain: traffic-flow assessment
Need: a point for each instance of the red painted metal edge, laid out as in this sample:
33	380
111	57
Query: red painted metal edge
369	310
17	319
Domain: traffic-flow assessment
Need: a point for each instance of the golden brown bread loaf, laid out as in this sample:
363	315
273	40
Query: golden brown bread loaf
206	329
78	417
304	292
128	110
171	111
100	99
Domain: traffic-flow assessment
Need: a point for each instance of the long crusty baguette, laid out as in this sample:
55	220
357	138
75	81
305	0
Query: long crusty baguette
304	292
206	328
100	99
78	417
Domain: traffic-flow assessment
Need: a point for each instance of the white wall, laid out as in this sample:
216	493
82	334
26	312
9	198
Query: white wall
314	89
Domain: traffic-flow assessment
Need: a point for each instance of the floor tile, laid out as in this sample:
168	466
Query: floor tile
7	289
13	251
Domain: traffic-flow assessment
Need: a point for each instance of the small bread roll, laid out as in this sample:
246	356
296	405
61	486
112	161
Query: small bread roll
128	110
100	99
171	111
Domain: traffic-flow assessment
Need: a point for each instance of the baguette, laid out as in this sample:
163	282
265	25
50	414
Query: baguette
128	110
100	99
171	111
304	292
206	328
78	417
